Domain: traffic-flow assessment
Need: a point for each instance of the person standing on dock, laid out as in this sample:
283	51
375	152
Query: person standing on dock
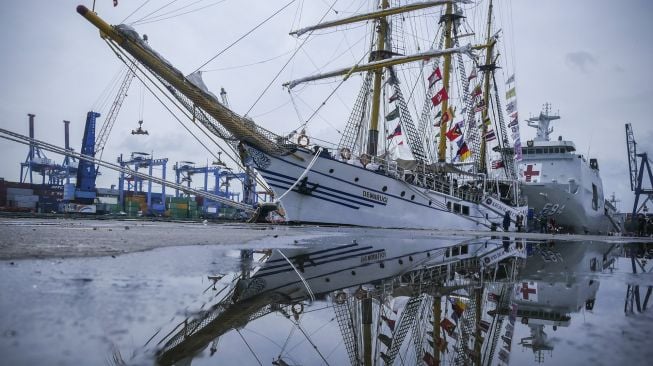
519	222
506	221
543	224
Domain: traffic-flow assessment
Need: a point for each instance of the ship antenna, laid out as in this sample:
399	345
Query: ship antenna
589	146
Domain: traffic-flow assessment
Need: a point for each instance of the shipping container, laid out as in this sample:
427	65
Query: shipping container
13	192
108	200
30	198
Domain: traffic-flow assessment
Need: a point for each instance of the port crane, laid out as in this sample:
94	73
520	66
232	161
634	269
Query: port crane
637	172
93	145
12	136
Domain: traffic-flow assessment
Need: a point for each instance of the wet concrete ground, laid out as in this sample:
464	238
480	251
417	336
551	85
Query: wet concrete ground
24	238
38	238
75	292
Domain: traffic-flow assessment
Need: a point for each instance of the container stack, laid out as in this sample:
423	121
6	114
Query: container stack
22	198
135	205
177	207
50	196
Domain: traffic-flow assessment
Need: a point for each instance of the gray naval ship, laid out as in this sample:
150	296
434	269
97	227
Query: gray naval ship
562	184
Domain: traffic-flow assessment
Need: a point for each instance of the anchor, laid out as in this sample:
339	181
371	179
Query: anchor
304	189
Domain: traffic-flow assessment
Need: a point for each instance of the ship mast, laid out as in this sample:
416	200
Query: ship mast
373	134
487	69
448	25
541	123
381	58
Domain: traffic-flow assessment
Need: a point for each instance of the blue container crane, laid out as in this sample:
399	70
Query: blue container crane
86	171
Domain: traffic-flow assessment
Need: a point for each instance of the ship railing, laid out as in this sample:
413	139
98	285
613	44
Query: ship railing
508	191
470	190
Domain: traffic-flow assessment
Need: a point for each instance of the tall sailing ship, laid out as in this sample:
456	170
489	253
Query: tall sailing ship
562	184
444	182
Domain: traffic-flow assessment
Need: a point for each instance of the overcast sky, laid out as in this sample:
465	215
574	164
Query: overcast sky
590	59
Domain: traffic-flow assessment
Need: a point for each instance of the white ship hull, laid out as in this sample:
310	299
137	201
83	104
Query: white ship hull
573	212
343	194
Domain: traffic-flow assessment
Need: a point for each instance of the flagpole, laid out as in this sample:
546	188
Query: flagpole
448	25
437	310
488	68
373	133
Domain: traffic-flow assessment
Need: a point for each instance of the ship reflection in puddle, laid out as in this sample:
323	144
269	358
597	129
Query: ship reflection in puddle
398	302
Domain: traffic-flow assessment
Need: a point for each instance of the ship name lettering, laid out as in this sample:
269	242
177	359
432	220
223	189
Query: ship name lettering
375	196
373	257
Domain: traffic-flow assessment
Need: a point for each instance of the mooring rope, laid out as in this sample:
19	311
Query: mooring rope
308	168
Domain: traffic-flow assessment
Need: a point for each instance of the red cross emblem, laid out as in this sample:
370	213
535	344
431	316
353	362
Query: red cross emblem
525	290
529	173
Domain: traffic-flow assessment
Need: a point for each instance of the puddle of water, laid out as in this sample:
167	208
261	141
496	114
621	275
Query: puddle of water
334	301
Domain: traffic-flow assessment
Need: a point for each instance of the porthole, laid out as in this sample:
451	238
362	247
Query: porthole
385	188
327	279
401	261
330	170
353	273
410	258
403	193
356	179
382	265
430	203
412	197
428	254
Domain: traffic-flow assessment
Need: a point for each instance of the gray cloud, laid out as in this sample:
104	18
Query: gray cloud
618	68
580	60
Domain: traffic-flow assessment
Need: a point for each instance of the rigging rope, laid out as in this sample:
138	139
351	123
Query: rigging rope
101	101
159	18
168	109
248	346
304	124
141	106
315	331
245	35
311	342
287	62
183	111
247	65
133	12
283	349
329	97
155	11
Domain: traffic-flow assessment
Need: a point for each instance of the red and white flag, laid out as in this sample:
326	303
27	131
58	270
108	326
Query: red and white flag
496	164
490	135
477	91
439	97
435	77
